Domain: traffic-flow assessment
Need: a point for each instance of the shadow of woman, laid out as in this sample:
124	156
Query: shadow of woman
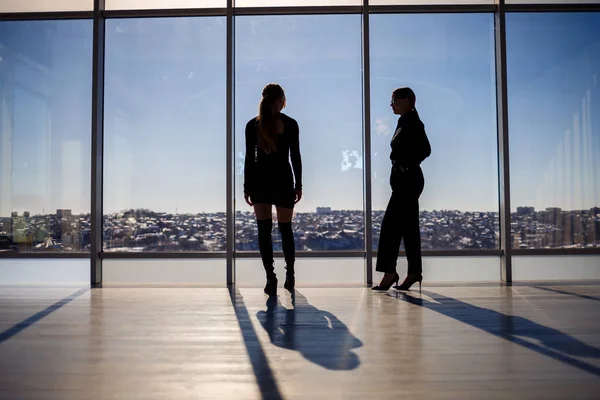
550	342
317	334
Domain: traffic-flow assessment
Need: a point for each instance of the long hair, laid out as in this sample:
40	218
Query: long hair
406	93
266	117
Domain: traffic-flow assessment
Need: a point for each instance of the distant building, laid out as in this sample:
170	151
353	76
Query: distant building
63	213
525	210
14	214
323	210
70	239
26	214
555	210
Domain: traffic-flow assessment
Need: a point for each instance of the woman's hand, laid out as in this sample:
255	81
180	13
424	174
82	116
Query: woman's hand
248	200
298	194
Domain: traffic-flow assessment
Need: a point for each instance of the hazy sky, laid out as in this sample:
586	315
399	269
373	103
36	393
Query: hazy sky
165	108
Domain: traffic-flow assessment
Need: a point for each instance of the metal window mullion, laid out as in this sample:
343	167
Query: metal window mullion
97	144
544	8
297	10
300	10
166	13
45	16
230	147
57	255
368	206
503	146
431	8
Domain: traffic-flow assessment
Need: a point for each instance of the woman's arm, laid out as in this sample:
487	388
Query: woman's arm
249	161
296	157
422	147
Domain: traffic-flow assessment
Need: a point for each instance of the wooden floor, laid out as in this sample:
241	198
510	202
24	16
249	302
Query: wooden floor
471	342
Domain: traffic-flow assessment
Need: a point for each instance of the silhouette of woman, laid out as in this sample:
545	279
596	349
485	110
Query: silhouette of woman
272	139
410	147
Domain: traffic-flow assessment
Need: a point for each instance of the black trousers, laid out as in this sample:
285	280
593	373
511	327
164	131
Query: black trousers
401	222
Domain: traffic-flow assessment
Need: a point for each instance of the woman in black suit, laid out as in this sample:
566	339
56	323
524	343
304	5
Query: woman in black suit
410	147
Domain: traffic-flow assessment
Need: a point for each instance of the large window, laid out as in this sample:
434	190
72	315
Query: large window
295	3
427	2
166	123
317	60
541	2
45	123
165	135
160	4
554	102
45	5
448	60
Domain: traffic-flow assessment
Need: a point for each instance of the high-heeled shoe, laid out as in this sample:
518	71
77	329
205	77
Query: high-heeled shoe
290	279
381	286
271	286
409	281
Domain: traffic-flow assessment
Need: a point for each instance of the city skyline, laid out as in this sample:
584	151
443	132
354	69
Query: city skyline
325	230
251	211
165	108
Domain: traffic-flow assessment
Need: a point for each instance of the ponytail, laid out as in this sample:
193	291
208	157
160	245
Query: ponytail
266	117
266	126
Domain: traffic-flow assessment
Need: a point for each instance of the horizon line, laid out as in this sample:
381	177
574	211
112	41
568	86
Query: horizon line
304	212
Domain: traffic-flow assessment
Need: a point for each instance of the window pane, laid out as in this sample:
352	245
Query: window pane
62	273
45	122
317	60
164	181
552	1
45	5
427	2
554	102
552	268
162	4
208	271
448	60
452	269
311	272
295	3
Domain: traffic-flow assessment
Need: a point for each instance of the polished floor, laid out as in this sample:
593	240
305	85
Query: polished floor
449	342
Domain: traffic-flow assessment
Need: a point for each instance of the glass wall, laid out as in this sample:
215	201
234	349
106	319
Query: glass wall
317	60
205	272
427	2
15	6
548	268
166	125
448	60
45	126
295	3
165	134
159	4
43	272
464	269
310	272
542	2
553	65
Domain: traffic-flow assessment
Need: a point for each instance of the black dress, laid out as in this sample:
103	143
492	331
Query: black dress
269	178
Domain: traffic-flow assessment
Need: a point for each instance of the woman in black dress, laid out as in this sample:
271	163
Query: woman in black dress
410	147
269	179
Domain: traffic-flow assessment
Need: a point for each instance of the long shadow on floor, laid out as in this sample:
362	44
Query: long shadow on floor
260	364
316	334
581	296
553	343
9	333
